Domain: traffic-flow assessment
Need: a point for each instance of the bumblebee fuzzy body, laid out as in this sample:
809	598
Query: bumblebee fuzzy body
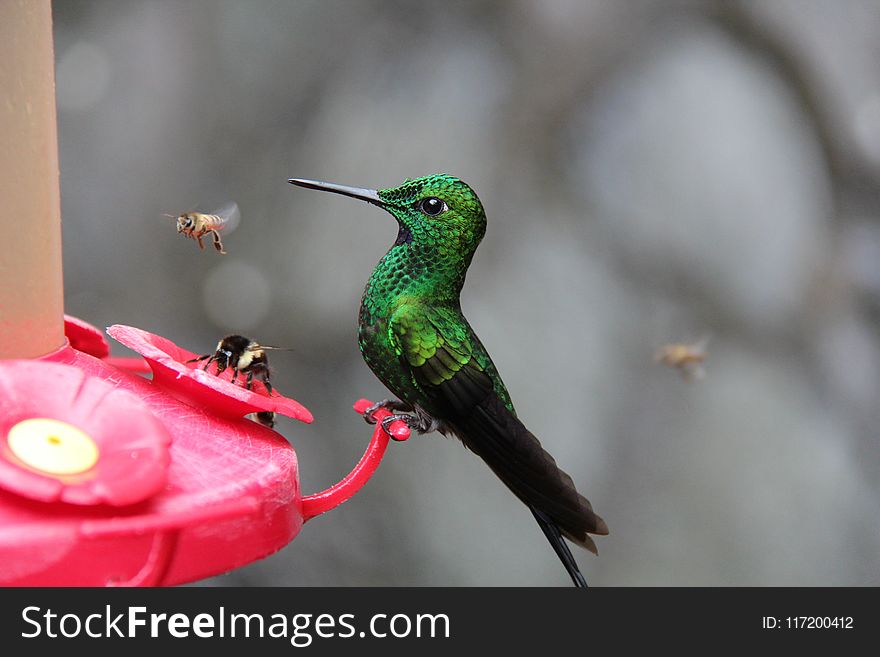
266	418
197	225
243	356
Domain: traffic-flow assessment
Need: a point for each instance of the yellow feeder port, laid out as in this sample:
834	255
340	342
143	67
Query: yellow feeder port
52	446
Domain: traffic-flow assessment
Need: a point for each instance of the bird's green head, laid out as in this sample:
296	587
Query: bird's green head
437	209
434	211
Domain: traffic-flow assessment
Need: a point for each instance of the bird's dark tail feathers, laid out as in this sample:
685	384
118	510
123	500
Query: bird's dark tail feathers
553	535
495	434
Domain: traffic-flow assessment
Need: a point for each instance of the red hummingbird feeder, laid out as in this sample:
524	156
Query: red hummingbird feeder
108	477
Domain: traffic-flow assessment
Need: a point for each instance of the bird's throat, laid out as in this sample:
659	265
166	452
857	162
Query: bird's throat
412	271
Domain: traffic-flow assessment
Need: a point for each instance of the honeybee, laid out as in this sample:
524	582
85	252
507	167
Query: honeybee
243	356
686	358
197	225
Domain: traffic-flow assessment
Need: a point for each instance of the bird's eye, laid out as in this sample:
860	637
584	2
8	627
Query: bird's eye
432	206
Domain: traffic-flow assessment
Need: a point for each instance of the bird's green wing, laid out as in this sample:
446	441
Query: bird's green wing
444	357
451	368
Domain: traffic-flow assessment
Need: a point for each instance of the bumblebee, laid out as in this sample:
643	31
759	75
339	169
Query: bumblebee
243	356
266	418
197	225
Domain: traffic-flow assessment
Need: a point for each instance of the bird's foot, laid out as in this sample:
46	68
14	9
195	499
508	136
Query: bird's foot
392	405
410	422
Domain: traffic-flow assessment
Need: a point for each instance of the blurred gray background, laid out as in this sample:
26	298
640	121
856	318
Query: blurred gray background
653	172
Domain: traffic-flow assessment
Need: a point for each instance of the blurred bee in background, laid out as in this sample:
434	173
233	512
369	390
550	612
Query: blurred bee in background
243	356
197	225
686	358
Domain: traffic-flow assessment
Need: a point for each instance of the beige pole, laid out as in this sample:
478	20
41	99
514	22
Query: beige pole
31	286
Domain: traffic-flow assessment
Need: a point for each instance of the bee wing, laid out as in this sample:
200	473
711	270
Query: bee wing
229	215
692	372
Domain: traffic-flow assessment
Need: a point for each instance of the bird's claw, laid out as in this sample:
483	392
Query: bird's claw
399	426
388	404
397	422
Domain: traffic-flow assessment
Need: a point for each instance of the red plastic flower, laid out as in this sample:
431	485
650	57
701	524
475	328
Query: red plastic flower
204	389
85	337
71	437
90	340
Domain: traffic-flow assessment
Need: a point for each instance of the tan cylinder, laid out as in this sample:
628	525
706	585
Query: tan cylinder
31	286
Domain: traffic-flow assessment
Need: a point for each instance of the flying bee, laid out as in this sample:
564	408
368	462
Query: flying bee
197	225
243	356
686	358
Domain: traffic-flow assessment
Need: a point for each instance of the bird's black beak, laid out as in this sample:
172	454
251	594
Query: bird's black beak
368	195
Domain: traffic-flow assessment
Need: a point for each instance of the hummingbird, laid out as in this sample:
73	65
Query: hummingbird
413	336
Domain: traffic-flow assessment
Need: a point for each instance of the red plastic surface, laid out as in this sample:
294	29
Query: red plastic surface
231	487
133	443
204	389
319	503
84	337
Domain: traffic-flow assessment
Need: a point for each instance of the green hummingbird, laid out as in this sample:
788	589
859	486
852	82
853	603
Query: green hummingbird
413	336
